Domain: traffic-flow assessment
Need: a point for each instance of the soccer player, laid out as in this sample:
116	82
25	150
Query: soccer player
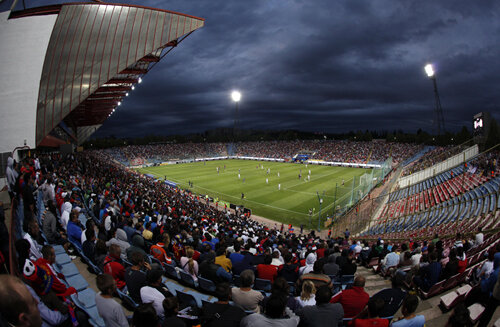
267	181
279	187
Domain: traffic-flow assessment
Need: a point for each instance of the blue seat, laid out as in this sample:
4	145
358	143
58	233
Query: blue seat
188	279
62	259
78	282
173	287
58	249
95	319
96	270
127	299
199	297
171	271
186	300
262	284
206	285
84	299
69	270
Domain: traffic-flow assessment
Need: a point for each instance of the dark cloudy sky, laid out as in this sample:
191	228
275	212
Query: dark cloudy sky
320	65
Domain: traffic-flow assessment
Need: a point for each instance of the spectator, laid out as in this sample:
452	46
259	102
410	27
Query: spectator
171	308
310	260
393	297
390	260
415	258
135	276
487	267
354	299
74	230
331	268
462	259
147	233
222	259
221	313
428	275
244	296
375	306
323	313
307	296
410	319
89	245
451	268
101	252
155	292
49	226
137	246
267	270
316	276
112	266
145	316
348	267
479	238
49	316
236	257
212	271
58	279
290	270
159	250
119	238
17	305
276	314
277	260
460	317
32	235
65	213
109	309
188	264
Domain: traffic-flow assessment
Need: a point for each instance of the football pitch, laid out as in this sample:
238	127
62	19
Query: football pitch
284	198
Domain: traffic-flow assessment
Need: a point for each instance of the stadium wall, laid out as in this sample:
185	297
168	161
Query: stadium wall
24	44
438	168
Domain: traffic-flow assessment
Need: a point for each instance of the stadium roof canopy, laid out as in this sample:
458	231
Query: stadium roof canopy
95	54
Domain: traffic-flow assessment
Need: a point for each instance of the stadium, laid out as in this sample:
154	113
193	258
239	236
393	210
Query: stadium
231	226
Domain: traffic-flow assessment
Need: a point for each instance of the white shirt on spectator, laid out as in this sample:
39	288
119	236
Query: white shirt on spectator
152	295
35	248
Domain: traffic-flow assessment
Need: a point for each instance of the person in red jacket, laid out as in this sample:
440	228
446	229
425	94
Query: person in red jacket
46	262
353	299
159	251
462	260
113	267
267	270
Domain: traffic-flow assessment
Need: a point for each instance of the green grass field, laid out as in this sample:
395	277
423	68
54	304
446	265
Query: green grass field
291	204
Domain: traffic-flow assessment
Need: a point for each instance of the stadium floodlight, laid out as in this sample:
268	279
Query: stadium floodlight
140	80
126	94
236	96
133	87
119	103
429	70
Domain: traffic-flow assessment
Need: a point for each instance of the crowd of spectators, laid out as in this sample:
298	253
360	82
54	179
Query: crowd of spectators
328	150
143	226
141	154
331	150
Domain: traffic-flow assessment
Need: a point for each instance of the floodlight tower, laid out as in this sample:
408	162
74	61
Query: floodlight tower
429	70
236	96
